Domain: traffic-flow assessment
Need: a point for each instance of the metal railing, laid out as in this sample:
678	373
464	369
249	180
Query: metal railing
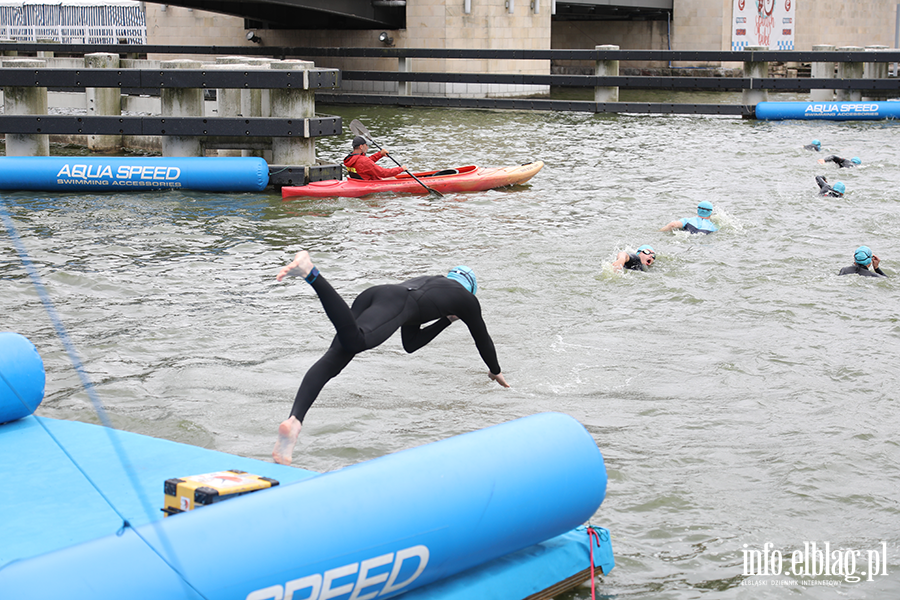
79	35
881	56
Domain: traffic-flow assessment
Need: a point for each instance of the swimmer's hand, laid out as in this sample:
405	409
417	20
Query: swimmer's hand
875	261
498	378
452	318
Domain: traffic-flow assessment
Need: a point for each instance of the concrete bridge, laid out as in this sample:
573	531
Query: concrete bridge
391	14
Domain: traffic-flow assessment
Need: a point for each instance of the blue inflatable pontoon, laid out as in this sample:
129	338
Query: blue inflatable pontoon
118	174
834	111
491	513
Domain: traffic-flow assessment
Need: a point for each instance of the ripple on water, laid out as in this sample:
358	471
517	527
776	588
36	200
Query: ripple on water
741	391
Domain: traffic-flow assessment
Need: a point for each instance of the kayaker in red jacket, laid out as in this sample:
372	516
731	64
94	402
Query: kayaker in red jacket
361	166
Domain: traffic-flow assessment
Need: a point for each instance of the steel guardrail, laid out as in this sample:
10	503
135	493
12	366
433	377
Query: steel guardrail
538	104
265	127
170	78
549	54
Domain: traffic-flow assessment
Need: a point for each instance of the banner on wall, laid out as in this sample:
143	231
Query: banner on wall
763	23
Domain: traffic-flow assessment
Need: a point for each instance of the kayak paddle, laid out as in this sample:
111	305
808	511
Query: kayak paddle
360	129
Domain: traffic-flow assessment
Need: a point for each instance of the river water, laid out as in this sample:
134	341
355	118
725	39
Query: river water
744	396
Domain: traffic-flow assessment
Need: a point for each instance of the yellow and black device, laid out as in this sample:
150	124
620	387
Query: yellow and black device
187	493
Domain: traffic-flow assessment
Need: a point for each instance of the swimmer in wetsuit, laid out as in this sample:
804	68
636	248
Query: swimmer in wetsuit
816	146
699	224
844	163
862	258
641	260
826	190
374	316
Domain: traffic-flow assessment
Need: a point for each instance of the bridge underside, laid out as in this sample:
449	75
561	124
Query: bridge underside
613	10
391	14
308	14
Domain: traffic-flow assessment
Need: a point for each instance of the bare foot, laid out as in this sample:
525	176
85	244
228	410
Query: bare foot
299	267
288	432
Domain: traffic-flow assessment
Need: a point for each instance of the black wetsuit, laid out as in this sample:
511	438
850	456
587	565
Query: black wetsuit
861	270
378	312
811	147
841	162
825	189
634	263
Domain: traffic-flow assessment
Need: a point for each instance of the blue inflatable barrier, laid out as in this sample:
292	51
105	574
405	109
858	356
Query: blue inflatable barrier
835	111
118	174
22	377
379	528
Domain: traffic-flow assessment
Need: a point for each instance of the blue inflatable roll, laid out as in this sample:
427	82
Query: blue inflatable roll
379	528
21	377
835	111
117	174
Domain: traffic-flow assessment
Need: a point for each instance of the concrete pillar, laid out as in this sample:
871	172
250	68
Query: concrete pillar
822	70
181	102
293	103
755	69
606	68
45	53
228	100
25	101
404	87
875	70
103	102
256	103
849	70
9	52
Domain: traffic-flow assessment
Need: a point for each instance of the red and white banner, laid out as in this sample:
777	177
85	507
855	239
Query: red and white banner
763	23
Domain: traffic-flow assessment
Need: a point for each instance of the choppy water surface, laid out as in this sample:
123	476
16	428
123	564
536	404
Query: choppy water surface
741	392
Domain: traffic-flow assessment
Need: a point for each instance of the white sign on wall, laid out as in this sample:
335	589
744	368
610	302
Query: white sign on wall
763	23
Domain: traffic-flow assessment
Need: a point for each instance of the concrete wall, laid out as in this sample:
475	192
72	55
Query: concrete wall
867	23
175	26
696	25
585	35
429	24
706	24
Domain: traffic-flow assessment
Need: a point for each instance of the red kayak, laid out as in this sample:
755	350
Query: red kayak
462	179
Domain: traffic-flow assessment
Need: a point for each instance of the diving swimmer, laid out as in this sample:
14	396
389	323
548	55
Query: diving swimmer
375	315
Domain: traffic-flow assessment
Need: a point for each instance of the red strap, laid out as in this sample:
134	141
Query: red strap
591	533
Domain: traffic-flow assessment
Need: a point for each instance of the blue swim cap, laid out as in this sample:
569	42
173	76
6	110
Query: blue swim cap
646	247
855	160
817	143
704	209
465	276
863	255
839	187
